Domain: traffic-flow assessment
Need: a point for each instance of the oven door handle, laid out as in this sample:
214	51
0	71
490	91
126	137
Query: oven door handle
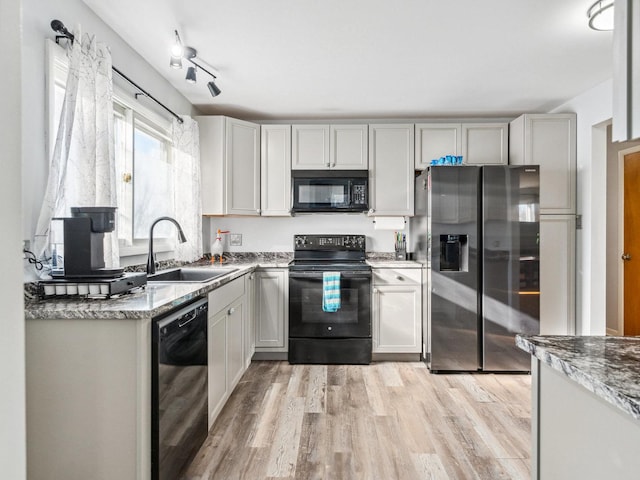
319	274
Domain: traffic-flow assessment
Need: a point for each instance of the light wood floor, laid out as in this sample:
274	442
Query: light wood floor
383	421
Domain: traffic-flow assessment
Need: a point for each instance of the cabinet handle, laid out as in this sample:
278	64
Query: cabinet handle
258	210
626	257
371	211
231	310
328	164
375	290
399	277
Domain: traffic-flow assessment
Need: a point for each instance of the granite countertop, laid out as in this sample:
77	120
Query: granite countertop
155	298
607	366
376	263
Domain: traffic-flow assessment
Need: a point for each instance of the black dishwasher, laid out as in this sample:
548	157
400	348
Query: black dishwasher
179	407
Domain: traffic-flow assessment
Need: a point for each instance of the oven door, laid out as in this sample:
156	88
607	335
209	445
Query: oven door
308	320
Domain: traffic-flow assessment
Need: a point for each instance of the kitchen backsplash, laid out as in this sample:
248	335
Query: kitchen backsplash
275	234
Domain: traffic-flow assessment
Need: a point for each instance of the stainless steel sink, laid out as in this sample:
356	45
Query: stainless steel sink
189	275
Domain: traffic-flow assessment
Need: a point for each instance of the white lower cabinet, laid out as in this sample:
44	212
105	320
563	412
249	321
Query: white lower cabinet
397	310
228	312
272	310
557	274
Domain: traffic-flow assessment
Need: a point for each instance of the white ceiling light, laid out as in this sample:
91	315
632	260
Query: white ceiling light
601	15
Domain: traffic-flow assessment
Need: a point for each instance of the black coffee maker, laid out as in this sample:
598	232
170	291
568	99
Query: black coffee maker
80	251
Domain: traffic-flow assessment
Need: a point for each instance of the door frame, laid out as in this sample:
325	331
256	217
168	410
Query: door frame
621	155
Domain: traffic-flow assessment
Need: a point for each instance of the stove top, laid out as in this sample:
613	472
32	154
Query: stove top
329	252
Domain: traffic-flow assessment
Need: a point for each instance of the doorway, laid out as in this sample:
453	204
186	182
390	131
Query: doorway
629	261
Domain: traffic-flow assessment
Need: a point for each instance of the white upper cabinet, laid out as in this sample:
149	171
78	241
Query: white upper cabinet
435	140
310	147
485	143
548	140
391	167
275	168
340	147
230	166
349	147
479	143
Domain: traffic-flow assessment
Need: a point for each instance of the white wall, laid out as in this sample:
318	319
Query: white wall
37	17
593	109
12	400
275	234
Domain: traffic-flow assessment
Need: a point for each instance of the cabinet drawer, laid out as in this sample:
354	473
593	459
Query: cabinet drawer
224	295
396	276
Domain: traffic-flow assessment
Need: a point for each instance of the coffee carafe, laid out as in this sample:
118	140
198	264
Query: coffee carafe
77	243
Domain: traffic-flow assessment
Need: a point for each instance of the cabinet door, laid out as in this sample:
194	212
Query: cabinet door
242	167
557	274
485	143
217	350
212	164
271	310
310	147
249	321
235	361
349	147
391	169
397	321
435	140
275	171
548	140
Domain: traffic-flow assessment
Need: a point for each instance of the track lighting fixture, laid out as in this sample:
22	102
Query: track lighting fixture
178	52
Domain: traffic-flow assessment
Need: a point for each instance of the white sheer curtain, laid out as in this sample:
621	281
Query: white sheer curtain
186	174
82	169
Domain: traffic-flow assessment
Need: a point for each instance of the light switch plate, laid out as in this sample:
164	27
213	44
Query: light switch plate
235	239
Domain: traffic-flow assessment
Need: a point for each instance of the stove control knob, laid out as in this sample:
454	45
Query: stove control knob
301	241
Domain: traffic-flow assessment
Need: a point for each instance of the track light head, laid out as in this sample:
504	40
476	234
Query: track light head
191	75
176	50
176	62
213	88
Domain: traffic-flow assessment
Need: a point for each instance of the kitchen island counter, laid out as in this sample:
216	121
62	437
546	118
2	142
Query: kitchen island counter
585	406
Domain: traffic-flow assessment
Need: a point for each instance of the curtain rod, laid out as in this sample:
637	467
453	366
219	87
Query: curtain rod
62	32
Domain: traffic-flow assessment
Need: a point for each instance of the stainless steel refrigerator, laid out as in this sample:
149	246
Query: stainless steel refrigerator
482	257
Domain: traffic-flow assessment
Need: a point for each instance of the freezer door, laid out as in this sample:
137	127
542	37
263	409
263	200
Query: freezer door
510	265
453	298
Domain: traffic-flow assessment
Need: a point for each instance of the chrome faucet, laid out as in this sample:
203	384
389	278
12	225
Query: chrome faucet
151	263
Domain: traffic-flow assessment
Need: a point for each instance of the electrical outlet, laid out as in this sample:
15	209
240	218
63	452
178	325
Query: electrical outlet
235	239
26	245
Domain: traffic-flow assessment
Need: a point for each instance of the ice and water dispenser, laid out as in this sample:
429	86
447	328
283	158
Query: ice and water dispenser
454	253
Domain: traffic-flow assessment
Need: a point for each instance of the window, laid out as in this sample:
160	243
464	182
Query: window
142	150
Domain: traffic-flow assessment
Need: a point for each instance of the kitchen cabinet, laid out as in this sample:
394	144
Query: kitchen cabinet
230	166
435	140
557	274
338	147
226	330
485	143
548	140
275	170
88	398
391	169
482	143
397	310
271	309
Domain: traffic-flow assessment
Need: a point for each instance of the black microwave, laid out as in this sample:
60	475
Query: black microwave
330	190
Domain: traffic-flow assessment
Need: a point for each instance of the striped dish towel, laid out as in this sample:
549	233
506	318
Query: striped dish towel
331	291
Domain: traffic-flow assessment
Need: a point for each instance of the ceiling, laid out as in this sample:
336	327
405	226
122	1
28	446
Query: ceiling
293	59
